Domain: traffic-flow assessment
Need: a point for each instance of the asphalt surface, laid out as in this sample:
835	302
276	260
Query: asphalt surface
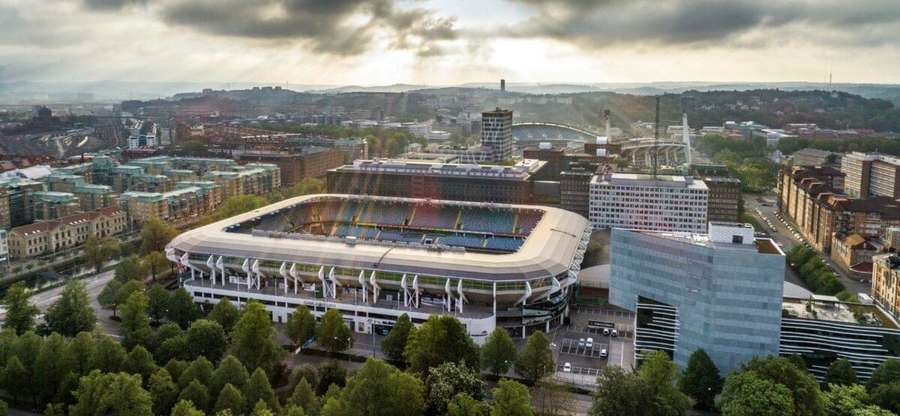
93	285
777	228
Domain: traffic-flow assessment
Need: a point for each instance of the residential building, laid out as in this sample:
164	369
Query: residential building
310	162
871	175
496	133
649	203
4	247
724	198
4	207
886	283
720	292
854	253
48	205
44	237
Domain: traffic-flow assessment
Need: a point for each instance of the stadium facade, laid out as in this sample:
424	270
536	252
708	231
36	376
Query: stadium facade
375	258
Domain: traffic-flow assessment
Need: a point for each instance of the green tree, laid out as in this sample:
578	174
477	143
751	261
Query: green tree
511	399
109	356
182	309
109	296
379	389
886	373
98	251
701	380
536	359
803	387
51	369
140	361
747	394
127	289
80	353
260	409
176	367
163	390
155	234
230	371
15	378
661	373
158	303
294	411
225	314
620	393
330	374
259	389
230	398
207	339
301	326
173	347
114	394
498	353
448	379
846	400
135	323
439	340
395	342
840	372
156	262
464	405
200	369
27	348
333	333
253	339
887	396
72	313
196	393
19	312
186	408
304	397
130	268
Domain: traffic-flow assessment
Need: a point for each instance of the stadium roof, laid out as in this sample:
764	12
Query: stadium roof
548	250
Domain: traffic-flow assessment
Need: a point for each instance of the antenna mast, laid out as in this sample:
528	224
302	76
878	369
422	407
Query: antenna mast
653	154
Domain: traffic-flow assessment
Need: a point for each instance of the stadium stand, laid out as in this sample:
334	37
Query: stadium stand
487	220
430	216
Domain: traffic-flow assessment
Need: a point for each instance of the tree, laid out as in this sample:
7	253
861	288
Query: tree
294	411
27	348
51	368
253	339
140	361
259	389
72	313
379	389
200	369
448	379
803	387
163	390
536	359
109	296
126	289
182	309
225	314
109	356
156	262
395	342
19	312
848	400
464	405
439	340
98	251
260	409
130	268
333	333
301	326
176	367
840	372
304	397
186	408
747	394
155	234
701	380
115	394
230	371
552	398
511	399
158	302
660	373
331	374
230	398
887	396
15	378
173	347
498	353
620	393
80	353
207	339
196	393
135	323
886	373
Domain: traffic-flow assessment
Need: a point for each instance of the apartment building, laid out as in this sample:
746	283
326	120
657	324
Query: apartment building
648	203
871	175
44	237
724	198
886	283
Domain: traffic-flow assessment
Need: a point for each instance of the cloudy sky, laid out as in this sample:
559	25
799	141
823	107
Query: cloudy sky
377	42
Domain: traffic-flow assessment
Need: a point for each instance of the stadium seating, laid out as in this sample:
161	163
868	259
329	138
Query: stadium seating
431	216
384	213
527	220
487	220
466	241
503	243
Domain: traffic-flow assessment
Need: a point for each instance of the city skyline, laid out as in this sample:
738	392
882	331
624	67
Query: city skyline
442	42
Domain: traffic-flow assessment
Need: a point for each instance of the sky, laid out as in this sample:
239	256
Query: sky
448	42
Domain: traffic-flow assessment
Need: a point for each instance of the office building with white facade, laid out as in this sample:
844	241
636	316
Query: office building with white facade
645	202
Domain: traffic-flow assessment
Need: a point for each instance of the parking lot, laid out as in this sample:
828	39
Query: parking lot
587	359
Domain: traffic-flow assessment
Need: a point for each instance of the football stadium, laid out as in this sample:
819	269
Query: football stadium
376	258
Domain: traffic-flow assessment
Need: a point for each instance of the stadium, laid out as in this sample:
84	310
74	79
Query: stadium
375	258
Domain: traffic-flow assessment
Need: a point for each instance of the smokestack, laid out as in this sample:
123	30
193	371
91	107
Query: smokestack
502	85
686	138
606	118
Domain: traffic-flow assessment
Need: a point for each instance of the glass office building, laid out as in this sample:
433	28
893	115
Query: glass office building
721	292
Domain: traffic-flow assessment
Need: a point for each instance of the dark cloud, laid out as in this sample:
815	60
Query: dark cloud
599	23
340	27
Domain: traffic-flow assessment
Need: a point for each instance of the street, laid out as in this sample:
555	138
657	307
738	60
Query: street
765	213
93	285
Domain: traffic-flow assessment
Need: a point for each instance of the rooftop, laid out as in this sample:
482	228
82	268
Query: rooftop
644	180
829	308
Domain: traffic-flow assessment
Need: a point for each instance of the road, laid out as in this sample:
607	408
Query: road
765	213
93	285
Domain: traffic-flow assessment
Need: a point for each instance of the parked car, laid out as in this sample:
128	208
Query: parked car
589	343
581	342
605	332
567	367
603	353
614	333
